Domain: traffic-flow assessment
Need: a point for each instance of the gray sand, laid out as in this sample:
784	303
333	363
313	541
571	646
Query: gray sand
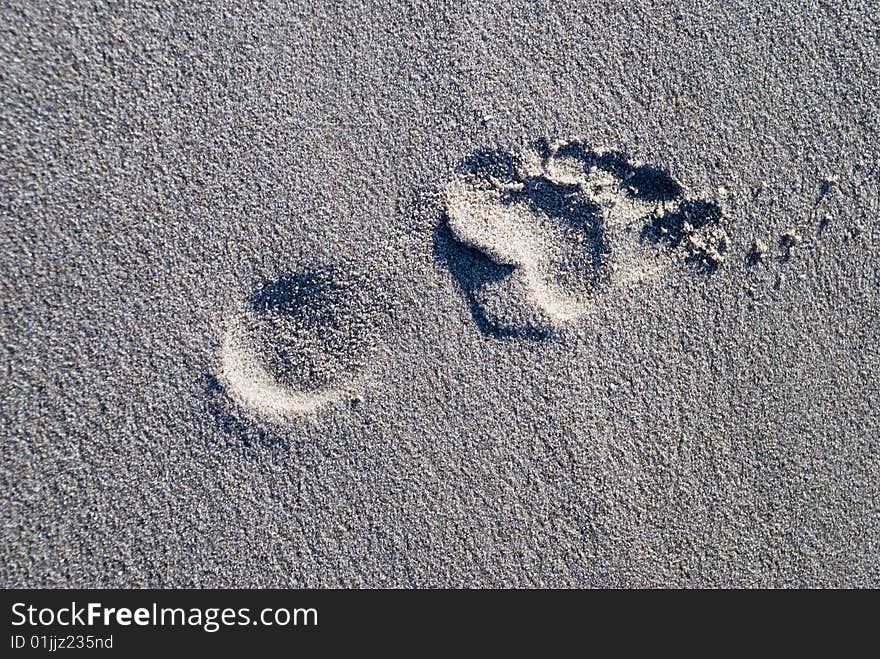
160	165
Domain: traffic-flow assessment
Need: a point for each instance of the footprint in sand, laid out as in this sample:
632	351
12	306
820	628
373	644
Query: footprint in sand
536	239
301	341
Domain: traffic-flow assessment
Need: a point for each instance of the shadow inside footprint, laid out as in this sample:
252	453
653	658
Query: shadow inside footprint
561	201
653	184
310	328
472	270
673	228
645	182
683	225
311	296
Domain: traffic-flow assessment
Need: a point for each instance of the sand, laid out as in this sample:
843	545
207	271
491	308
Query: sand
659	368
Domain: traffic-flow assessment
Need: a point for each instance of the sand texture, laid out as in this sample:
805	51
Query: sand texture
440	294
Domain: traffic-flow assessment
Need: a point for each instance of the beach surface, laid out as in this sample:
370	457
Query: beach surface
425	294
